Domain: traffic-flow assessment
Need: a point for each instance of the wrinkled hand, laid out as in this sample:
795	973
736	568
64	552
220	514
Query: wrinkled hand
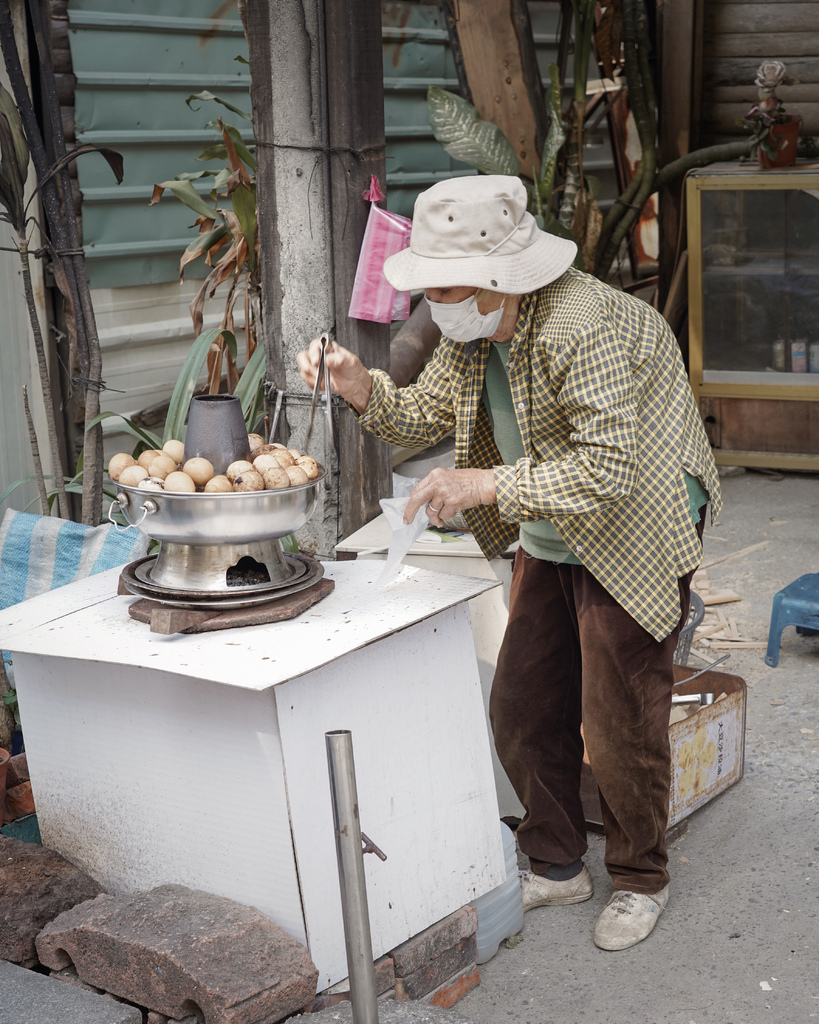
447	491
348	375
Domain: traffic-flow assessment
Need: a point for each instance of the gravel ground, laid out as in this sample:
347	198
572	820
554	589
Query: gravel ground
739	941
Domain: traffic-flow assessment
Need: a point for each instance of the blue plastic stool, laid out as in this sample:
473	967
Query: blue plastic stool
796	605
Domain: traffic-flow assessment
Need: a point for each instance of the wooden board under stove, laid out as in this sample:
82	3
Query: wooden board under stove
167	620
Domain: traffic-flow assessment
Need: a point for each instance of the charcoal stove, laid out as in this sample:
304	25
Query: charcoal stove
219	551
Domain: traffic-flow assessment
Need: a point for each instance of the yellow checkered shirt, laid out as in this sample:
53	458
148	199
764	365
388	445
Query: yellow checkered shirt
608	423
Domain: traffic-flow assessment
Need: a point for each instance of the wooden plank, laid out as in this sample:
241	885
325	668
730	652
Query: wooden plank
734	554
756	46
727	71
769	425
737	19
747	94
500	73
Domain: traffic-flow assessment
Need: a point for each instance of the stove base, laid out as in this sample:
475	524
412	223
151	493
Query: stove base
167	620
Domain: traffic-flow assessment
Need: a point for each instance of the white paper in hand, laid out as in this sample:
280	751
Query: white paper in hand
403	535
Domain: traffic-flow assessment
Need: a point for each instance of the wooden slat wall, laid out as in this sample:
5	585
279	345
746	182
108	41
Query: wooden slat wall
737	36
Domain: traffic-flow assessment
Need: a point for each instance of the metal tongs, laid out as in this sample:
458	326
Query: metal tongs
322	370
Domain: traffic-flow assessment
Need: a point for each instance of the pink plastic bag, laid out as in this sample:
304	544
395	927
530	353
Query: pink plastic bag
386	233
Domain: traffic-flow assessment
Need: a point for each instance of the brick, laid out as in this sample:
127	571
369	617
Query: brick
180	951
70	976
434	973
451	991
384	978
433	941
36	884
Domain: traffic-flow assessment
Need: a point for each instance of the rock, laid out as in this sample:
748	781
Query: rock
36	885
179	951
27	997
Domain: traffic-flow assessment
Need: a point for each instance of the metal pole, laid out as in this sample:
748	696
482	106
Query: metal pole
351	876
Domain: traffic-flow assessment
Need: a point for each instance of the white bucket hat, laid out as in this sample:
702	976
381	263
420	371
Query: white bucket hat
475	231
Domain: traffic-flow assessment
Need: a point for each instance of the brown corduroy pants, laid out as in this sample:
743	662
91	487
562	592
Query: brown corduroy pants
572	654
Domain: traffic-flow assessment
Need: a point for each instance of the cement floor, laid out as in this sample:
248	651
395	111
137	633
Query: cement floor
739	942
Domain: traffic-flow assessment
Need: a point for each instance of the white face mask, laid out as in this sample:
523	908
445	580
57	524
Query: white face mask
462	321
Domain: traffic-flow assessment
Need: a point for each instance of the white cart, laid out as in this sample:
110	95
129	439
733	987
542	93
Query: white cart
200	759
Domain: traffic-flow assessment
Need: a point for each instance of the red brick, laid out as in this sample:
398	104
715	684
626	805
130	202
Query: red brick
451	991
431	975
179	951
433	941
69	975
384	979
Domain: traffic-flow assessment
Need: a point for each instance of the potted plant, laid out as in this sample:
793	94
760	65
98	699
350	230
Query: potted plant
775	132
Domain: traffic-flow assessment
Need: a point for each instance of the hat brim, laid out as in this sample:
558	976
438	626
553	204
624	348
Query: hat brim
540	263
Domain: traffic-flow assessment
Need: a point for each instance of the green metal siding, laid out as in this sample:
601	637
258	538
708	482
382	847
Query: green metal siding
136	62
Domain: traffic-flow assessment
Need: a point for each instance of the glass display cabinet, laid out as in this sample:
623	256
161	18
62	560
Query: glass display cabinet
753	292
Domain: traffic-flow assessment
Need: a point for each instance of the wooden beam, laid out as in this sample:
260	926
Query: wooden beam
495	41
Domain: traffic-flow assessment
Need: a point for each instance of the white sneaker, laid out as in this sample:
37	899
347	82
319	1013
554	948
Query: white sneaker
539	891
628	918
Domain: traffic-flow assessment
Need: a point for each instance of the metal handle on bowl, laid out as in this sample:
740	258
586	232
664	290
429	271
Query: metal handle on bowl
149	508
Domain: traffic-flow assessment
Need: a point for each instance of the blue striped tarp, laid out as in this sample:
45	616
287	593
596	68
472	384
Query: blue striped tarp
39	553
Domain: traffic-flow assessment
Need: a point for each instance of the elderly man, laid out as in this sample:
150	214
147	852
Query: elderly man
577	433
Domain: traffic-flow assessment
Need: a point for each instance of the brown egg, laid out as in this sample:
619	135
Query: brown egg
284	458
176	450
236	468
151	483
131	475
120	461
218	485
250	480
264	461
266	449
276	478
179	481
199	470
162	466
297	475
148	456
295	453
309	465
255	441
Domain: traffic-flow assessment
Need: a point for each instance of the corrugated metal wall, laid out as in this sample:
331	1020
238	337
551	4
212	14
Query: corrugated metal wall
135	63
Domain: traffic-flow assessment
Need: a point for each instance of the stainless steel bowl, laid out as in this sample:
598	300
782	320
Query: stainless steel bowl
237	518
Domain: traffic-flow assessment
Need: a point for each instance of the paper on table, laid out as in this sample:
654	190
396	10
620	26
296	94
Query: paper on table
403	535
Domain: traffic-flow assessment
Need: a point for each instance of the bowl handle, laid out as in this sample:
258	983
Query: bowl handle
121	501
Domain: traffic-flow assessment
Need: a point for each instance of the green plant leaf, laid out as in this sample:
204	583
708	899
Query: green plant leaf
200	245
185	193
151	440
592	185
17	483
205	95
239	145
14	163
186	382
247	389
462	132
217	152
244	206
290	544
555	138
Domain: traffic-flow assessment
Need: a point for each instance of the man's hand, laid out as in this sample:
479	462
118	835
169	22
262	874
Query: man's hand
447	491
348	375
